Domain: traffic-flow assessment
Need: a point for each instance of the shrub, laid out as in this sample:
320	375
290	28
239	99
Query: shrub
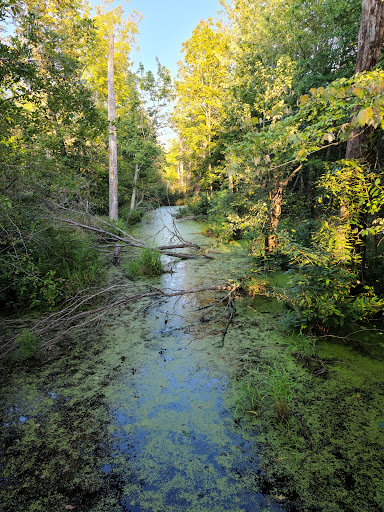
197	206
326	296
42	264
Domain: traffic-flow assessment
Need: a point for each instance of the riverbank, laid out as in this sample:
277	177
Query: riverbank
319	415
137	412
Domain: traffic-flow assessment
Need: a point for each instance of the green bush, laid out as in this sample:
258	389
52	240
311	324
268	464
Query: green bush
43	265
197	206
220	230
327	296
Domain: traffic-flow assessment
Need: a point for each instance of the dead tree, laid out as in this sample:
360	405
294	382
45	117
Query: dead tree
113	178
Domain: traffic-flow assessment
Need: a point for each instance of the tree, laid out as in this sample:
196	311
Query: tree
48	132
125	30
113	176
138	126
371	35
318	36
201	95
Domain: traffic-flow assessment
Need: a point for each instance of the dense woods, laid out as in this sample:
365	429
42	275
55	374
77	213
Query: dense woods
54	140
279	117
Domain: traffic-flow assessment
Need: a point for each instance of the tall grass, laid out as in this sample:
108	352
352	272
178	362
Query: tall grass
270	386
148	264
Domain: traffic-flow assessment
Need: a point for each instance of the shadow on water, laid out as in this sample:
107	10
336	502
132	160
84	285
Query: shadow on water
136	414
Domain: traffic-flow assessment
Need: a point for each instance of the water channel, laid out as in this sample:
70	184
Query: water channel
137	413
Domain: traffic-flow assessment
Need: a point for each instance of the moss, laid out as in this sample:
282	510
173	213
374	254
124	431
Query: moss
329	454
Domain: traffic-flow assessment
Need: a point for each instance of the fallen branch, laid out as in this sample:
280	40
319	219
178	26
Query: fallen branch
73	316
129	241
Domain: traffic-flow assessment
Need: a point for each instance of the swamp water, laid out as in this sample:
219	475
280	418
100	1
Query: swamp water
136	413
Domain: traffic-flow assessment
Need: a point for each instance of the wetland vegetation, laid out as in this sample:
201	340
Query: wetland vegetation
225	354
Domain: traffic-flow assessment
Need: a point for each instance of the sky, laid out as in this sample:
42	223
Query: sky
166	24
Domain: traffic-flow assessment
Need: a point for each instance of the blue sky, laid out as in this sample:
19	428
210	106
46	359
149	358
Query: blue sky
165	26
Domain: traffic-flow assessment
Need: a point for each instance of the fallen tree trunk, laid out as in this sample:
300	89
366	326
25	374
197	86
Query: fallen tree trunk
129	241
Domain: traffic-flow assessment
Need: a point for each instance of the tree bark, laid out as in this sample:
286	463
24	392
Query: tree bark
276	203
371	35
113	178
180	175
134	190
274	217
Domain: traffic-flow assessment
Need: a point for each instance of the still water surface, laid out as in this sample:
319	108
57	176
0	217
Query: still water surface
137	413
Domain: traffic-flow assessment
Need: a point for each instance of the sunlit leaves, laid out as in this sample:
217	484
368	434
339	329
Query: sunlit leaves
202	92
125	29
303	99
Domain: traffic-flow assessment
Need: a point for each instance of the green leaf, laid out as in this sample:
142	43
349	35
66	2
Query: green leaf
301	153
365	116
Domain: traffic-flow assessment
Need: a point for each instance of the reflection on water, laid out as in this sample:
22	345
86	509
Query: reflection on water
138	416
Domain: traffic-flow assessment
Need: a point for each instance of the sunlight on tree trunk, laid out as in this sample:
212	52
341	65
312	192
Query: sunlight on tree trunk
134	190
370	43
113	181
371	36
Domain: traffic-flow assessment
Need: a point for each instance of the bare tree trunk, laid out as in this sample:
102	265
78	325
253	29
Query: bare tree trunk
134	190
371	35
180	172
230	180
113	180
274	217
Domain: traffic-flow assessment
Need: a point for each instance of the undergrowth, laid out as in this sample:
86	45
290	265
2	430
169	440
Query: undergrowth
43	264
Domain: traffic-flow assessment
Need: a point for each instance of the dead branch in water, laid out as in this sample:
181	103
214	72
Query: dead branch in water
124	239
129	241
72	316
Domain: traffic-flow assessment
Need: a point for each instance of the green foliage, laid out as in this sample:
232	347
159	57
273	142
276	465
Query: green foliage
29	344
304	347
201	97
43	265
197	206
327	296
148	264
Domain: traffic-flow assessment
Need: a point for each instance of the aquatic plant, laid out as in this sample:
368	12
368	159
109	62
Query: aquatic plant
148	264
280	387
29	343
304	347
272	384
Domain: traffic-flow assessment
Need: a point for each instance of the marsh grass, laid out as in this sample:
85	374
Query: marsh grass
271	385
281	389
303	347
29	344
148	264
249	396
